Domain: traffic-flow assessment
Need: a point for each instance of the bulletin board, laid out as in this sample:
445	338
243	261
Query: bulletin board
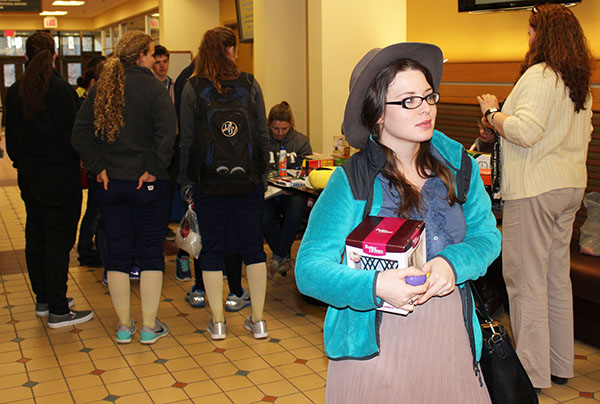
178	60
245	18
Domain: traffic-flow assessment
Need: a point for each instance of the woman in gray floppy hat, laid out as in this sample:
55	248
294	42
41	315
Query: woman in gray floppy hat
405	169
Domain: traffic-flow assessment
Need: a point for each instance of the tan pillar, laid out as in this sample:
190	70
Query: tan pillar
340	32
280	55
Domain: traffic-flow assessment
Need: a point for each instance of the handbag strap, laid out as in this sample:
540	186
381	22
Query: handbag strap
482	310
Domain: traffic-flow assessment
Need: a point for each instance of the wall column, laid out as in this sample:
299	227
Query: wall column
280	55
184	22
340	32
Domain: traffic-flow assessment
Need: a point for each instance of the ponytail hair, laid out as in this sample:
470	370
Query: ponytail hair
110	95
281	112
213	60
33	87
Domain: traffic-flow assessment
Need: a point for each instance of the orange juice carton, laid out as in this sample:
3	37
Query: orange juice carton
382	243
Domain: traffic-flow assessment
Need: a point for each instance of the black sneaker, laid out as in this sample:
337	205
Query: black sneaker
41	309
170	235
71	318
92	261
559	380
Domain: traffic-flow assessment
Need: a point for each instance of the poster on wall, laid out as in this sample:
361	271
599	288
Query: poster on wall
245	18
20	5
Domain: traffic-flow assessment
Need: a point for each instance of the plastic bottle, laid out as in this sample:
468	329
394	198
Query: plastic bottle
282	162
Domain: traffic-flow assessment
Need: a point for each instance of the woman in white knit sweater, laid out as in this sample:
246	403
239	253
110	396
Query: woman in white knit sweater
545	127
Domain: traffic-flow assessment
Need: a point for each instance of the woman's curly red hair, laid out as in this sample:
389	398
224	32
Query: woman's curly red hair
560	43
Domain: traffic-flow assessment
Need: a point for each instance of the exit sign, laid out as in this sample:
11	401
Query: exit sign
50	22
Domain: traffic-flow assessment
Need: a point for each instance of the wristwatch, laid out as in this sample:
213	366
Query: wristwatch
488	112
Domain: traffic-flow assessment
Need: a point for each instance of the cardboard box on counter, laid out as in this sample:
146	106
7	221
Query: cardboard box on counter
316	160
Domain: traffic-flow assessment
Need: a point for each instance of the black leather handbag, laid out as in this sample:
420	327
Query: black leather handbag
506	379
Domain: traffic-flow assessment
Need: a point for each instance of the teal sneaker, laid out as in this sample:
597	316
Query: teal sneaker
151	335
124	333
182	269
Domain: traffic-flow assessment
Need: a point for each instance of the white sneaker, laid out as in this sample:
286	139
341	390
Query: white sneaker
217	330
258	329
235	303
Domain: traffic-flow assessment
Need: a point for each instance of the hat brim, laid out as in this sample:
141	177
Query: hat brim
428	55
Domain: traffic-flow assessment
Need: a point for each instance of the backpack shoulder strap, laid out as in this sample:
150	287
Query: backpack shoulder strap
246	80
463	177
199	83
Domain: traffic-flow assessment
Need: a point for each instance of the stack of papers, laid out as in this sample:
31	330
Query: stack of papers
288	182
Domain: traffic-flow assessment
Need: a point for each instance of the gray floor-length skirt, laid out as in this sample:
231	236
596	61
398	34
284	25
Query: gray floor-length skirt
425	358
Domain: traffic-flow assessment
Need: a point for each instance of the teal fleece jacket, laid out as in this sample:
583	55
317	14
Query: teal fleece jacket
351	328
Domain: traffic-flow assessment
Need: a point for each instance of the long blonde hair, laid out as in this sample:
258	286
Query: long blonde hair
110	96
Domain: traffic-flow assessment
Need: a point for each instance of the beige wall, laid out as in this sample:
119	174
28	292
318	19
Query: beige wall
28	22
280	54
485	37
32	23
340	33
125	11
183	22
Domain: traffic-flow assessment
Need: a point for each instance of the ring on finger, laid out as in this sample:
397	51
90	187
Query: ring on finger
411	302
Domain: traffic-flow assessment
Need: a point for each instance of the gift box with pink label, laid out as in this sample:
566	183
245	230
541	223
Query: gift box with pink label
382	243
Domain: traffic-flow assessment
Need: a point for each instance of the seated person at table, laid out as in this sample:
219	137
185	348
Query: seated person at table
280	234
485	142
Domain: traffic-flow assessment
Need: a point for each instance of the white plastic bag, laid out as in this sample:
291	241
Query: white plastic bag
188	234
589	236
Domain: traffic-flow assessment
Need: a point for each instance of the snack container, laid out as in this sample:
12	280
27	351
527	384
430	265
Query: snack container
313	161
341	148
382	243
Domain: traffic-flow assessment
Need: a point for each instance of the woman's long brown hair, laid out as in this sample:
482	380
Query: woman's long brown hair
427	165
559	41
213	60
110	96
34	85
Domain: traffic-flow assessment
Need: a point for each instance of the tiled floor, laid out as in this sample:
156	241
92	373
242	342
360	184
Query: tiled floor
83	364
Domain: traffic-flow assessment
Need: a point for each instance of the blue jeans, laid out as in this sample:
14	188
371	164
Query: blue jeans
281	236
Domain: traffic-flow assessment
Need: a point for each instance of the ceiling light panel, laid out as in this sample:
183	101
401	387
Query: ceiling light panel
54	13
68	3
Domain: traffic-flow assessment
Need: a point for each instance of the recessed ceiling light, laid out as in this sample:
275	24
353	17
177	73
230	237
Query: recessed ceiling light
54	12
68	3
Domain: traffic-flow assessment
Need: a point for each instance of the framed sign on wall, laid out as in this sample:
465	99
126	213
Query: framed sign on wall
245	19
20	5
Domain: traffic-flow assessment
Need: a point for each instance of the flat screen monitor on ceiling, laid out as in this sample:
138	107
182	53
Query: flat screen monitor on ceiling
496	5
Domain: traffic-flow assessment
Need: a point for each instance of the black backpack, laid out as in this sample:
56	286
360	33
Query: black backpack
224	158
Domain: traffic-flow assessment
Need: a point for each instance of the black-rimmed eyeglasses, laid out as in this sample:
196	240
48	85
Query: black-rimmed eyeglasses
415	101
